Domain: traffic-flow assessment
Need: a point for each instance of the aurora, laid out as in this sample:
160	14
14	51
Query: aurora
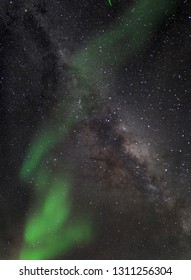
50	228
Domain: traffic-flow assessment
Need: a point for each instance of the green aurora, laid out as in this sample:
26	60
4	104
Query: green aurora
48	232
110	2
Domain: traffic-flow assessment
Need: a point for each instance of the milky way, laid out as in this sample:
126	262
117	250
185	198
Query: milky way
95	122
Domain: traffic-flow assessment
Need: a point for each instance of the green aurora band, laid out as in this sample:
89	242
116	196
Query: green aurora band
49	231
110	2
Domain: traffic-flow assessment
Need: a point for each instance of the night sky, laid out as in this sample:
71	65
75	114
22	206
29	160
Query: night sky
95	118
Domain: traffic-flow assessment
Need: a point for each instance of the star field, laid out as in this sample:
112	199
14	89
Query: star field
95	129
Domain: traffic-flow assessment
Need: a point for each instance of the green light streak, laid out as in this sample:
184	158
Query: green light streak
110	3
48	232
54	213
53	245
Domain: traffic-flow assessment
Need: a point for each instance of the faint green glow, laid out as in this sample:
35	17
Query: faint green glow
50	228
106	53
110	2
51	135
36	152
